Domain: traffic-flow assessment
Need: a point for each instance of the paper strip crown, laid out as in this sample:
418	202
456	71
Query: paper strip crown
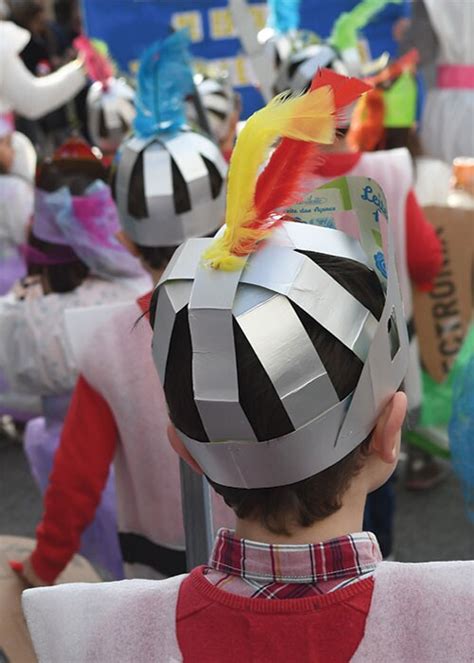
169	180
110	100
239	282
340	51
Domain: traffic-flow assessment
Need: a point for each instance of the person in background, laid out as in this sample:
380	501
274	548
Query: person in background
74	260
446	125
21	91
384	123
42	55
419	260
117	414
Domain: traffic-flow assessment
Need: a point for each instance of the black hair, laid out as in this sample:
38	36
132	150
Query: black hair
156	257
317	497
77	175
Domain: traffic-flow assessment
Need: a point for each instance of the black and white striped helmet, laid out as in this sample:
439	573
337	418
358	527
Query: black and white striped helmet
168	189
226	330
297	71
110	113
219	103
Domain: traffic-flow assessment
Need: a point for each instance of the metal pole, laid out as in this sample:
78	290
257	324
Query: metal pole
197	516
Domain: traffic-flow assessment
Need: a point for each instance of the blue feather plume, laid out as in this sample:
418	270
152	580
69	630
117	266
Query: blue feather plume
283	15
164	80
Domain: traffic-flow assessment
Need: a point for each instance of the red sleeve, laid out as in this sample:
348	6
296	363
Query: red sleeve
424	252
81	467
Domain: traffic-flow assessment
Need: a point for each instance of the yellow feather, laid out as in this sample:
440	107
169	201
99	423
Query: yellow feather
307	117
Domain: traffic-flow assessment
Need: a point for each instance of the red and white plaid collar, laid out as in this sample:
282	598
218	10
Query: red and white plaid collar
349	556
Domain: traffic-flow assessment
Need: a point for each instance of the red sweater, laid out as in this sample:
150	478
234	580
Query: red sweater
424	253
214	625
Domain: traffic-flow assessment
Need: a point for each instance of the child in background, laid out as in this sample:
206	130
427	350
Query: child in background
222	107
118	414
304	335
385	120
76	261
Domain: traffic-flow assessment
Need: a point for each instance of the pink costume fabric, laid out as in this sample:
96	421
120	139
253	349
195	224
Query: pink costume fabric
86	225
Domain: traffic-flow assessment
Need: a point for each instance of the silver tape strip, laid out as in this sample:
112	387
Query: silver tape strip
325	240
185	261
192	167
355	329
110	107
381	376
128	156
215	380
289	358
278	462
209	150
171	299
163	226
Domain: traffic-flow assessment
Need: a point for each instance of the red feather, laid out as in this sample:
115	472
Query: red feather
289	173
346	90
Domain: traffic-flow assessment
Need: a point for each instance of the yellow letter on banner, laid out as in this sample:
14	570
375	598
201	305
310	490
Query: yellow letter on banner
221	25
190	20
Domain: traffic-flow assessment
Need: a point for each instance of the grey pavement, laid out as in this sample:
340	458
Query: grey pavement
429	526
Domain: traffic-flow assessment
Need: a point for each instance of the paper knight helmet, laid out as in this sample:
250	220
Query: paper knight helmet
110	100
342	51
219	102
169	180
110	112
257	283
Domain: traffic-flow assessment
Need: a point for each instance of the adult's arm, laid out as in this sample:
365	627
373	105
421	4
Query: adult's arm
80	471
33	97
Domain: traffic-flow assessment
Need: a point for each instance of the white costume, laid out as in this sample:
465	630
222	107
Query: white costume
22	92
447	125
35	355
419	612
16	208
115	358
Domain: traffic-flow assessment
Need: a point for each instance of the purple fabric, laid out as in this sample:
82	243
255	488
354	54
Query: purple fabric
99	542
12	269
87	224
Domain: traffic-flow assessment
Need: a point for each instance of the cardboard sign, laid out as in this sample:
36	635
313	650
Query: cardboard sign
442	316
15	643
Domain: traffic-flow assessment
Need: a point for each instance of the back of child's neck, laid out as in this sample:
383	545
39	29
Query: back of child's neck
347	520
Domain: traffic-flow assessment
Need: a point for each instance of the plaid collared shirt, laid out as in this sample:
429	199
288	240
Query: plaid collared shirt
260	570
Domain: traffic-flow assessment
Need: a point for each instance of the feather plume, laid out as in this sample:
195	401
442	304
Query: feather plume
344	31
96	58
367	131
283	15
289	173
309	118
164	80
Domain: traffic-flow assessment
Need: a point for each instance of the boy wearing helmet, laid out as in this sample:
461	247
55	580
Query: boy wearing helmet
281	351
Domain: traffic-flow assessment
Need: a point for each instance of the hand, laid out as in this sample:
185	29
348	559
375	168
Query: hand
26	572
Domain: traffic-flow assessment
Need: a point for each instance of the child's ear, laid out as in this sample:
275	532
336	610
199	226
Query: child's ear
178	446
385	440
126	242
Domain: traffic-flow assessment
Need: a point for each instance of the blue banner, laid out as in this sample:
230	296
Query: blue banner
128	26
